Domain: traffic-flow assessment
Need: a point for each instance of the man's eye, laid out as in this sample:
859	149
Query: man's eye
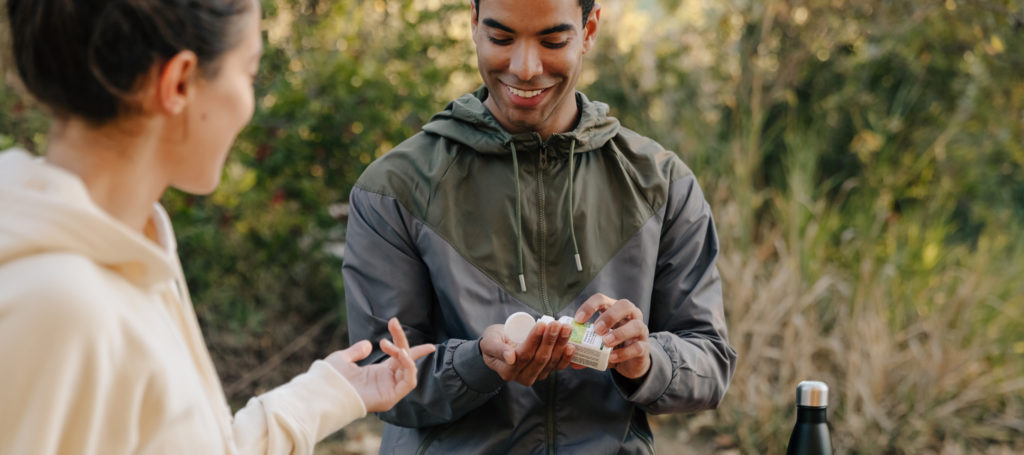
500	42
558	45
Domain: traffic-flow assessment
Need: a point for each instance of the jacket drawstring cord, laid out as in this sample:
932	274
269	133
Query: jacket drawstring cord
519	220
572	231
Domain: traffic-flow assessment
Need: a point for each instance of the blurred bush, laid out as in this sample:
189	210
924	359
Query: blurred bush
340	84
864	161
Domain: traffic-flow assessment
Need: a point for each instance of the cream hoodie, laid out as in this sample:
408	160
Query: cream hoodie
100	349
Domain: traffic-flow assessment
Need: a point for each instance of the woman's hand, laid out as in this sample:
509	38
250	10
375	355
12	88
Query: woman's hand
383	384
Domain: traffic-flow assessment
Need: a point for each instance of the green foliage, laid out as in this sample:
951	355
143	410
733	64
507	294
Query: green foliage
340	84
21	125
864	160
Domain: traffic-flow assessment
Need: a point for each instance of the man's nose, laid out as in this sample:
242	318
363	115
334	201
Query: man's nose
525	63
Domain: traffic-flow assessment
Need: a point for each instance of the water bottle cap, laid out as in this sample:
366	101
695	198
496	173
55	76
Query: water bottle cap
812	393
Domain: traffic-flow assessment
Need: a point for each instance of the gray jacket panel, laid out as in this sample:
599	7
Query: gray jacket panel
461	406
423	245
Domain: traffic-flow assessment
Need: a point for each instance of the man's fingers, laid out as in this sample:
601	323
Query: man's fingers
621	310
543	354
633	329
629	351
564	349
532	343
539	361
596	303
566	357
561	353
493	344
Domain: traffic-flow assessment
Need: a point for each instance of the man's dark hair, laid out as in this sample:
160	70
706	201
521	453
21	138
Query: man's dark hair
587	6
85	57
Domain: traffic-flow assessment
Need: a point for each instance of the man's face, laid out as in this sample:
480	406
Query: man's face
530	53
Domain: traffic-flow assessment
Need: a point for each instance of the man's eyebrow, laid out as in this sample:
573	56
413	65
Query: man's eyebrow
548	31
498	25
556	29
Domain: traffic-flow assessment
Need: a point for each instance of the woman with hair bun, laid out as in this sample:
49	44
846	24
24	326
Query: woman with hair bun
100	348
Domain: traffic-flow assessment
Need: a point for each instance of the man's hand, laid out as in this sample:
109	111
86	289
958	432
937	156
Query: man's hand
545	349
622	326
382	384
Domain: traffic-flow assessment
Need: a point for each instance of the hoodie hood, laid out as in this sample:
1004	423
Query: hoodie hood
469	122
48	210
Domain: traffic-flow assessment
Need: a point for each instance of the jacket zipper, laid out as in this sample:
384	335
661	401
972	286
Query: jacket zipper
642	437
552	390
542	229
425	444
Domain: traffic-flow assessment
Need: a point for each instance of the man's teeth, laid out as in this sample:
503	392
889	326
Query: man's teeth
524	93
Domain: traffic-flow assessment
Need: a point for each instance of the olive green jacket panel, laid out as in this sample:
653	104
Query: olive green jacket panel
620	179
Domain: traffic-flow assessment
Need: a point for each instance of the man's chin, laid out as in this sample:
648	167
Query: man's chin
525	126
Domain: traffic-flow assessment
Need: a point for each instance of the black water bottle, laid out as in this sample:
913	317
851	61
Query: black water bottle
810	435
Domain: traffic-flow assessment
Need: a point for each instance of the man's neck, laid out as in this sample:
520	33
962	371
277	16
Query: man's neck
569	122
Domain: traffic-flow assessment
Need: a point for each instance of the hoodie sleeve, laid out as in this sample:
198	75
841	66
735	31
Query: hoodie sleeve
384	277
59	388
692	362
293	417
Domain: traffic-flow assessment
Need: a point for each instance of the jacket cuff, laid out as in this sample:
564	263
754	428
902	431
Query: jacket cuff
653	385
469	364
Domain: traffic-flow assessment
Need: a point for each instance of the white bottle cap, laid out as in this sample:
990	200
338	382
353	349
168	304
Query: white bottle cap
518	326
812	393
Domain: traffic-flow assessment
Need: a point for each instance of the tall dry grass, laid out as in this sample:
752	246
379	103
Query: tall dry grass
918	360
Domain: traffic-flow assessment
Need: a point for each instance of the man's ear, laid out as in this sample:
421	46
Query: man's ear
175	83
590	29
474	14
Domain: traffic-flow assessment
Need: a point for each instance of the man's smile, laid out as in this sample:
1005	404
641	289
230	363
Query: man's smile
524	93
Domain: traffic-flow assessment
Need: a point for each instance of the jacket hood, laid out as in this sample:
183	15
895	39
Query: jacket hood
48	210
468	121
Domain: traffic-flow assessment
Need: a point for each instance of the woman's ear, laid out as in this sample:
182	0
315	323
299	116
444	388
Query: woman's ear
175	83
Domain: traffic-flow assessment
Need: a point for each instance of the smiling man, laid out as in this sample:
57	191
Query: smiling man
527	196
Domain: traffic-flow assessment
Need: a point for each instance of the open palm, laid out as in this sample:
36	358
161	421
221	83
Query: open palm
383	384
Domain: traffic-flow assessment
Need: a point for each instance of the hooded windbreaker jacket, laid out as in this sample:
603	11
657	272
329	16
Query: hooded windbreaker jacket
464	224
100	349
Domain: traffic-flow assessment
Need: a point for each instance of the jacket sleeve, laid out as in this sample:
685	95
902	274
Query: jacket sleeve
692	362
385	276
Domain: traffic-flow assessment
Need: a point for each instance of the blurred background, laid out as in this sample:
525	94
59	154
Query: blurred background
864	160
